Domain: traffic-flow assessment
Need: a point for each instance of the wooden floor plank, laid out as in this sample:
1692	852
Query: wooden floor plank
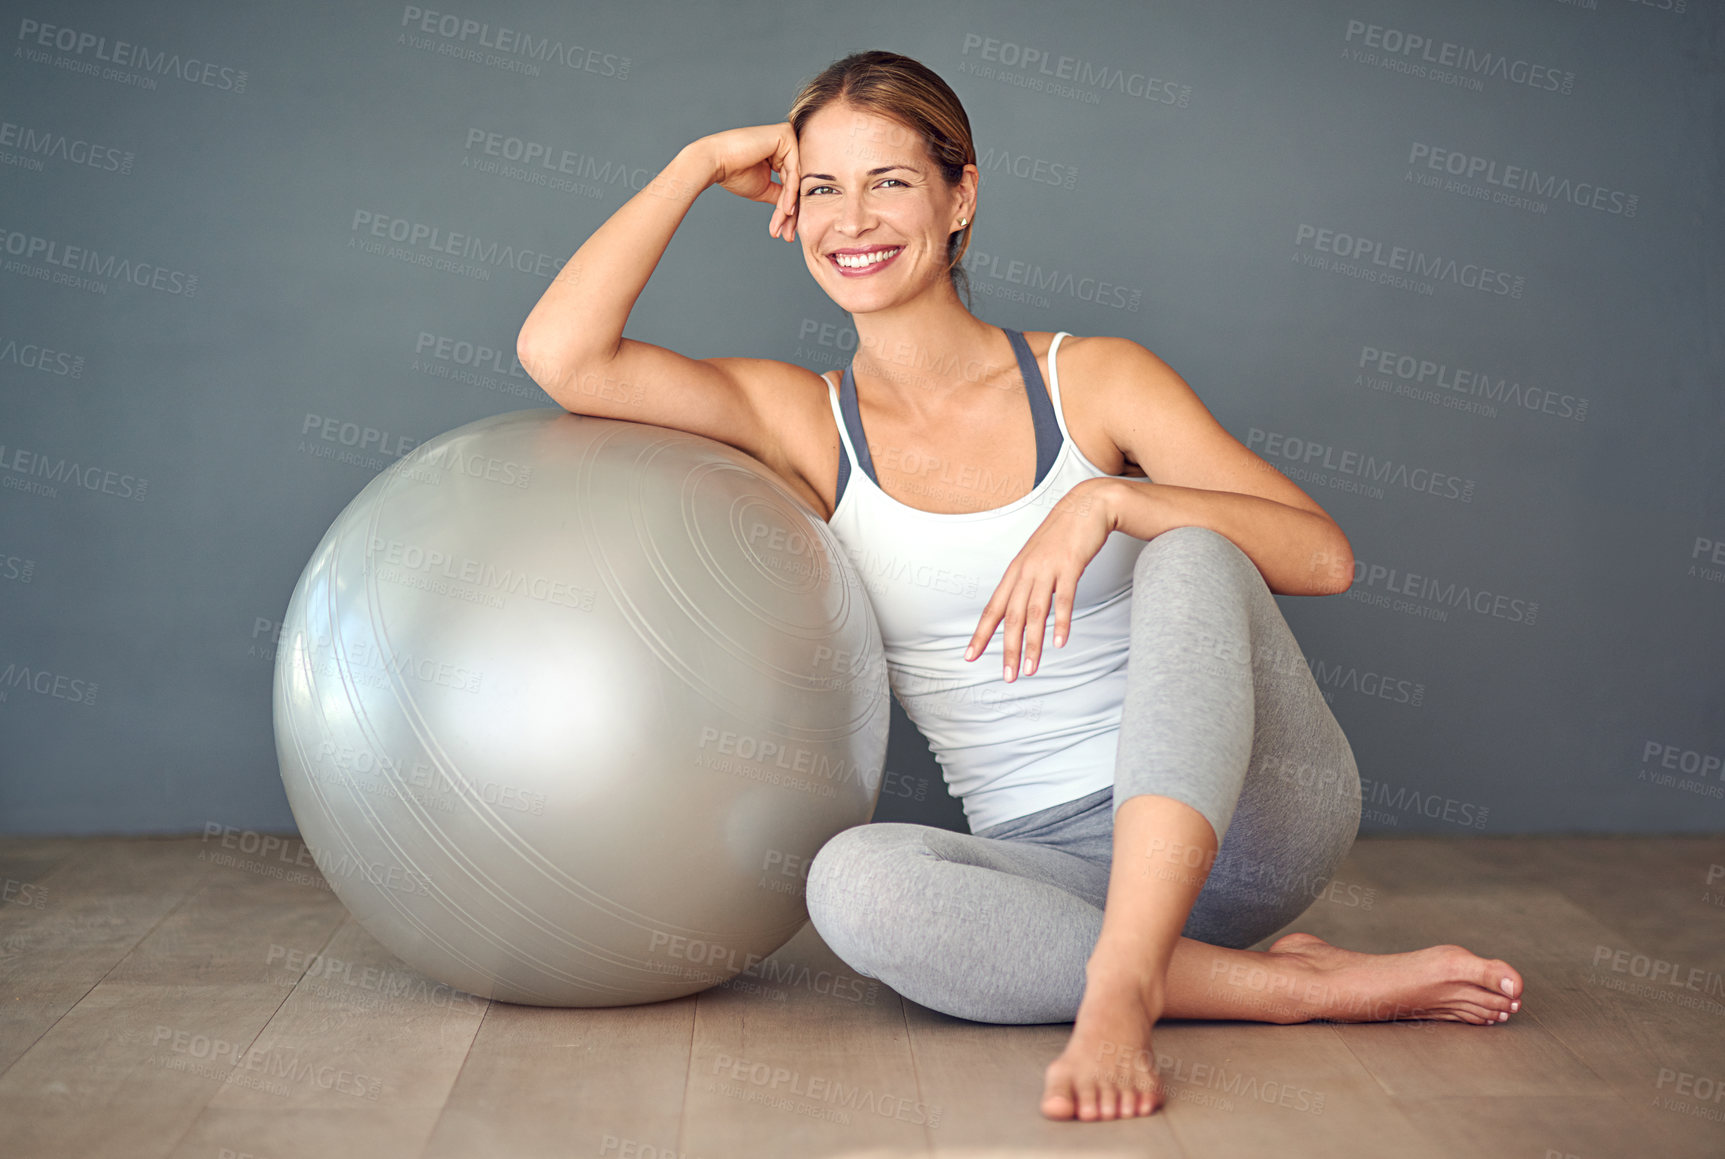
987	1083
1290	1091
228	1132
1613	879
542	1083
126	1071
1560	1126
25	863
824	1070
214	948
364	1048
211	998
1634	1039
234	928
87	913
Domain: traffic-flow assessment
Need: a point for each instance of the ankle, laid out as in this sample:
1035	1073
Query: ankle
1276	987
1113	978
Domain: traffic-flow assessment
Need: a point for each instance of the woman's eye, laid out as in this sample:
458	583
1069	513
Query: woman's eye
813	189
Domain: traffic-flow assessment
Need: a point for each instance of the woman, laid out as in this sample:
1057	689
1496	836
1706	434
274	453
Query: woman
1133	825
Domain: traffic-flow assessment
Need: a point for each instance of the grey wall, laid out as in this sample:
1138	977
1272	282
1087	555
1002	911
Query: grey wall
205	351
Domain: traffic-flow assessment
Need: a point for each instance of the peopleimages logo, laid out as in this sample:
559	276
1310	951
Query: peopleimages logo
463	37
84	260
1319	461
1421	372
23	468
553	166
1445	61
36	144
431	241
1038	281
1376	583
1375	260
1035	169
1068	77
34	36
28	355
1501	182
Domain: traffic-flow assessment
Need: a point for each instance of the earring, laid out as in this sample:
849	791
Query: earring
961	222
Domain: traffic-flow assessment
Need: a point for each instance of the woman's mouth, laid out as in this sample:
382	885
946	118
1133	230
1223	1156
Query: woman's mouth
863	264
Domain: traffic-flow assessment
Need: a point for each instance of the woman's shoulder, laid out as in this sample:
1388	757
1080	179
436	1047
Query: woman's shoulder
1089	371
1101	364
790	402
1085	348
1094	363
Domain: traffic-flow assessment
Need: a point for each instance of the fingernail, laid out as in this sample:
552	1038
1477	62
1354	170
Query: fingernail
1059	640
1515	1005
1508	987
1009	672
1502	1016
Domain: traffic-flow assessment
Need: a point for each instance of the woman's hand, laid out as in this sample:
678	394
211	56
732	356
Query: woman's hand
1044	574
744	161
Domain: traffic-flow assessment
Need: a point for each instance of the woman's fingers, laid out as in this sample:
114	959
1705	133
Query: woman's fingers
991	616
1035	624
1020	607
1012	639
785	162
1018	618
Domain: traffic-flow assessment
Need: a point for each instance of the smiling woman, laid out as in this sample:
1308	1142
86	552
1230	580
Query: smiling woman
1166	786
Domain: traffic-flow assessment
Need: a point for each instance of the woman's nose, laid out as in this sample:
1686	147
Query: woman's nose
855	216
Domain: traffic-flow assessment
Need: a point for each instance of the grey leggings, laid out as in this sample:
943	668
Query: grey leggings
1221	713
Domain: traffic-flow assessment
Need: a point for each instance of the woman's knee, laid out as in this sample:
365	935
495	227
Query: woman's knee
1191	546
840	888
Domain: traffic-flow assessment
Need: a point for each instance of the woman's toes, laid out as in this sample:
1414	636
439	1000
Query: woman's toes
1492	1003
1296	941
1057	1099
1501	979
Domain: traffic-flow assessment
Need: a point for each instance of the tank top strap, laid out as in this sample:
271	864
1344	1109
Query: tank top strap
1048	425
850	416
1054	382
847	448
1044	413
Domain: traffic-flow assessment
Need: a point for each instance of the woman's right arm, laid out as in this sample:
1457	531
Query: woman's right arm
572	342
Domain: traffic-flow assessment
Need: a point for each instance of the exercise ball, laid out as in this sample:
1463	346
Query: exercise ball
566	705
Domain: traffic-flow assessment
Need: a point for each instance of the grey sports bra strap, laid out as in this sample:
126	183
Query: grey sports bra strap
1041	413
859	443
1041	406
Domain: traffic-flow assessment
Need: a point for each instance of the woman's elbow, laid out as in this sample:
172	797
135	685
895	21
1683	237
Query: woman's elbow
1333	564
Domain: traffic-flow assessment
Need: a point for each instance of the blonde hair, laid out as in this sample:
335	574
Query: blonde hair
909	92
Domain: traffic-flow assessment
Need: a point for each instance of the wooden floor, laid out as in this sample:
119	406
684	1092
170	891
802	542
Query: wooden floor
157	1002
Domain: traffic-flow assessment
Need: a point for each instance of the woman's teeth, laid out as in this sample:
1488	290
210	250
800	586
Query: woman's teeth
859	261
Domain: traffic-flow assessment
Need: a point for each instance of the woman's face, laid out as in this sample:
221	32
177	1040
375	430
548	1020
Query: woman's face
873	212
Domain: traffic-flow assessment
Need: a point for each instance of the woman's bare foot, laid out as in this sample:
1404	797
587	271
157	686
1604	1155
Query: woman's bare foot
1107	1070
1438	982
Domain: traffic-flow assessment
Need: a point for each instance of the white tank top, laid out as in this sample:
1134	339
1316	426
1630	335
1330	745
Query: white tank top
1006	750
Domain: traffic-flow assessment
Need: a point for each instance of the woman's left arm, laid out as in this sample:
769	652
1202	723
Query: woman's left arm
1300	552
1200	475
